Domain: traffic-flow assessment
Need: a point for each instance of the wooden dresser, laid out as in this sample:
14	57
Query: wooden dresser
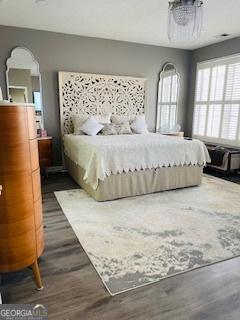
21	225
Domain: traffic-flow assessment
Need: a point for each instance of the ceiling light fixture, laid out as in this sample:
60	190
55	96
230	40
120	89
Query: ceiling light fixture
185	20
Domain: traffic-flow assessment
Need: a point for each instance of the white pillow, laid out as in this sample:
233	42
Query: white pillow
104	118
78	121
91	127
139	124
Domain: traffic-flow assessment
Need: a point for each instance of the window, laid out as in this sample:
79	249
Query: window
37	100
217	101
168	95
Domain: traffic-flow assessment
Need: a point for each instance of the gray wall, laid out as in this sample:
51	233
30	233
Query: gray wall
218	50
59	52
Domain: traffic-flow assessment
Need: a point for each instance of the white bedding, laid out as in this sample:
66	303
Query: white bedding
101	156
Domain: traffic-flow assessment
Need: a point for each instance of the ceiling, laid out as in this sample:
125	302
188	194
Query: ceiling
141	21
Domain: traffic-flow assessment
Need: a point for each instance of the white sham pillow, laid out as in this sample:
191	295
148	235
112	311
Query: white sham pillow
78	121
104	118
139	125
91	127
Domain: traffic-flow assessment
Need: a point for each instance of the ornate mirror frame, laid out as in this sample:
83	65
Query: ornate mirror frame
37	73
167	68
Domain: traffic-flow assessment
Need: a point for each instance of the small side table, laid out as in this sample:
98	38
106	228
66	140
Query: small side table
175	134
45	154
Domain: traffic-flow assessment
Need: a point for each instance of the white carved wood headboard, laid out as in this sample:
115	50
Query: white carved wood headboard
81	93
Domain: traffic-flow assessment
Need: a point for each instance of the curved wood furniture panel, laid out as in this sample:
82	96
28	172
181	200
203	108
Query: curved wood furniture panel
21	224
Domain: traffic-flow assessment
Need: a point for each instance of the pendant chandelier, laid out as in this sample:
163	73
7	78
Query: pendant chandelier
185	20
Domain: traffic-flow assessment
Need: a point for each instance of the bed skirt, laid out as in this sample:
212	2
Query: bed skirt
137	182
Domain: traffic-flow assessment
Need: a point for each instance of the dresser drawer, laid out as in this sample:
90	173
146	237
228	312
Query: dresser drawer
15	214
13	126
15	242
16	189
38	213
17	228
14	159
32	126
36	183
34	154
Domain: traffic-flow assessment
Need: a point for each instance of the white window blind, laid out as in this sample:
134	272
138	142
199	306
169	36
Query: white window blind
168	93
217	101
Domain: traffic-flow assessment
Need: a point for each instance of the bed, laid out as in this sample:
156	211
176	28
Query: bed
112	167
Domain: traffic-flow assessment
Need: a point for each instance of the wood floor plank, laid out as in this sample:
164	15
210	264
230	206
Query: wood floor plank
73	289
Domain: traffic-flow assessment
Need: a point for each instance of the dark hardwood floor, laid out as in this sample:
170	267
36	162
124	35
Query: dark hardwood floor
73	290
233	176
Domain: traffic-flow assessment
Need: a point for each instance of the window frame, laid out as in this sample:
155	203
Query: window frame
211	63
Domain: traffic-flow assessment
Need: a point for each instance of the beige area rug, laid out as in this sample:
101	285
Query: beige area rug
140	240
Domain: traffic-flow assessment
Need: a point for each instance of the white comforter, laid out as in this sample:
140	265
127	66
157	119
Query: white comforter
102	156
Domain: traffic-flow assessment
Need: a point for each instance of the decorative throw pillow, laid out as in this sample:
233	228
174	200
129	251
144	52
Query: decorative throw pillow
109	129
91	127
139	124
123	128
78	121
122	119
103	118
113	129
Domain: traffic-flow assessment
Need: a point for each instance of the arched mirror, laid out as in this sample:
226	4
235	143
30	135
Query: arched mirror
167	105
24	80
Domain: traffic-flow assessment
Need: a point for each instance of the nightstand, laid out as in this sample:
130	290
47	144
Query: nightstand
175	134
45	154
